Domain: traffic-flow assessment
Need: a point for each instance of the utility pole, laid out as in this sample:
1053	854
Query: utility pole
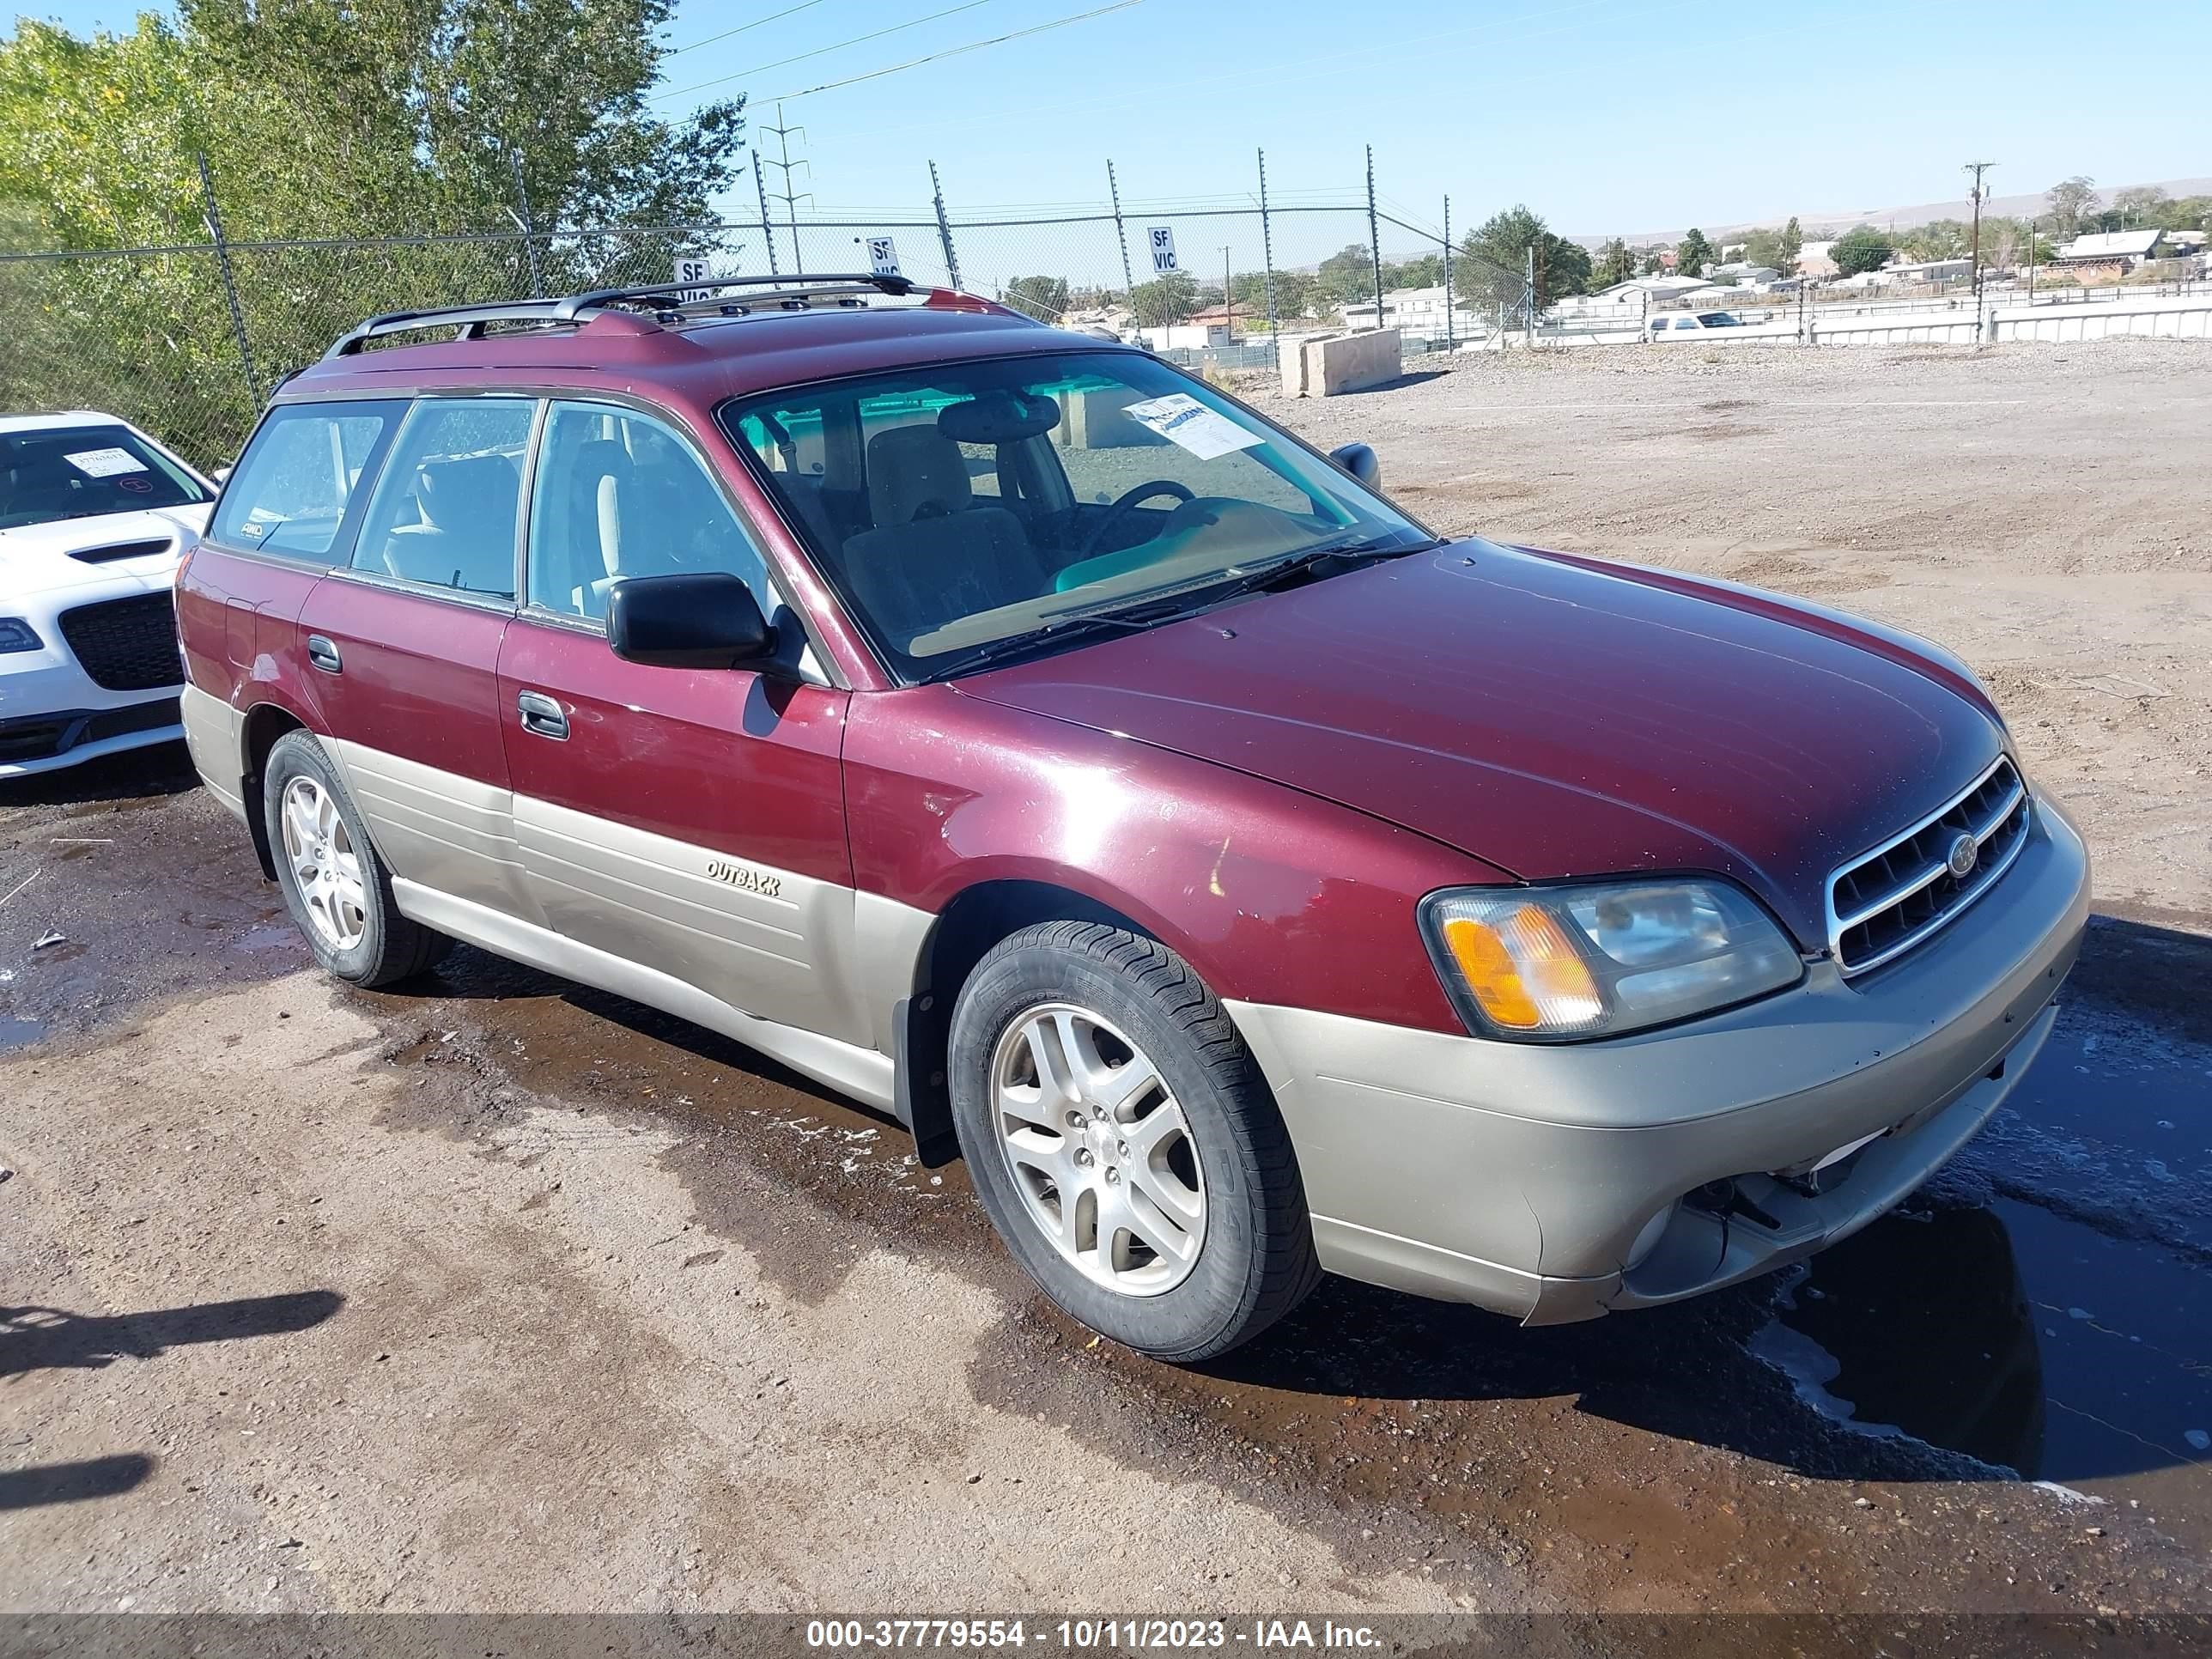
1120	233
786	196
1977	168
1529	300
945	228
1228	305
1374	237
2032	224
1267	245
529	229
213	215
1451	340
768	230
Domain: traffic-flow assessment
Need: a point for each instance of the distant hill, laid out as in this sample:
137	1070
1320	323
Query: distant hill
1903	218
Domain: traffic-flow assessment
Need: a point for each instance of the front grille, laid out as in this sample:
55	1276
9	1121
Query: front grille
42	737
115	550
1882	905
126	645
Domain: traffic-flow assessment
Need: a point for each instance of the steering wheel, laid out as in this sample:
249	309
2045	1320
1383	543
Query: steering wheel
1120	510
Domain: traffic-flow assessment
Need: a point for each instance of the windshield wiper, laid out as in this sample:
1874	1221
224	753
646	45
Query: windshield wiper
1148	610
1073	625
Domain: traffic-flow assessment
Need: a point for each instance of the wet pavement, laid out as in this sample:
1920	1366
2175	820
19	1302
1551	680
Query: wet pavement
2039	1314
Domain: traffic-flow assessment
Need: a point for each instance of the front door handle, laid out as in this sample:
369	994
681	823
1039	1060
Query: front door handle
322	653
542	717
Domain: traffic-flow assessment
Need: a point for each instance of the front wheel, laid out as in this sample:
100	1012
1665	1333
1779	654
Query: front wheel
1124	1143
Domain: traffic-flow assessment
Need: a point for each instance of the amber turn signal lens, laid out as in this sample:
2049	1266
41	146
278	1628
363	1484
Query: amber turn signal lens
1524	970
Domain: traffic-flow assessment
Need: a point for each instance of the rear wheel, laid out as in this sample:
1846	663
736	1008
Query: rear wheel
336	888
1124	1143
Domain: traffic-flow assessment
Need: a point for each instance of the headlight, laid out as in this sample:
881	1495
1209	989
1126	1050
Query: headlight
1550	963
16	634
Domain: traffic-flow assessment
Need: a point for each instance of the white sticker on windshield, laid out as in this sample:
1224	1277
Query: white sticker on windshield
104	463
1181	419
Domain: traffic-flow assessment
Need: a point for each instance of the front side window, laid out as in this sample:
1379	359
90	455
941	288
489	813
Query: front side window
963	507
84	472
291	488
620	493
447	505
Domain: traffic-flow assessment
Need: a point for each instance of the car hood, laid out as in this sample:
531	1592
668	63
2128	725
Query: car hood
1553	717
35	558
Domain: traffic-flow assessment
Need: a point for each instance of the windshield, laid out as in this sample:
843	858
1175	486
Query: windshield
83	471
963	505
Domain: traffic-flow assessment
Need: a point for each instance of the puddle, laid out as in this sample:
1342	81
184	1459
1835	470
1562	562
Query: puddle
2062	1328
19	1033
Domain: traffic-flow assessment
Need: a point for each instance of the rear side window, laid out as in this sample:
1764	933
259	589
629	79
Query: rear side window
292	487
450	498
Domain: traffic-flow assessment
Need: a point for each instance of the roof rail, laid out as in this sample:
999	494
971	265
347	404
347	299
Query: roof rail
795	294
832	282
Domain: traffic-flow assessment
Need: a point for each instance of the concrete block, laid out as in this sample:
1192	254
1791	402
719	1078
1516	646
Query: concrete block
1323	365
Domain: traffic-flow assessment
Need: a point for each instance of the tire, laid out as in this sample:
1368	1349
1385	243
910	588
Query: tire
350	919
1111	1014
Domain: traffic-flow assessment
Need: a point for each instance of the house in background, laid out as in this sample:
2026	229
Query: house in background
2109	256
1419	314
1816	262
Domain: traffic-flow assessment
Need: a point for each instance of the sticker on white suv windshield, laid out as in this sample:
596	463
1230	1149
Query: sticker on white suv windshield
104	463
1181	419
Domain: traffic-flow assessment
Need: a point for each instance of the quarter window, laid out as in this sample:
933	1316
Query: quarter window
444	511
620	493
292	487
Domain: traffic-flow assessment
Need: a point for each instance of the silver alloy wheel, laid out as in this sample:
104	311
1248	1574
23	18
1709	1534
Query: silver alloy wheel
321	852
1099	1149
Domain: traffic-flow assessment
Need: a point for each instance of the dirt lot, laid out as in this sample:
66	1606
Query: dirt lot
494	1294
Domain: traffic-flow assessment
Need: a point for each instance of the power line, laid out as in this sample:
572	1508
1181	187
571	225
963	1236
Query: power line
858	40
674	51
955	52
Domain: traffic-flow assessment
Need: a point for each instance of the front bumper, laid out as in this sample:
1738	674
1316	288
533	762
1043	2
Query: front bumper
1524	1178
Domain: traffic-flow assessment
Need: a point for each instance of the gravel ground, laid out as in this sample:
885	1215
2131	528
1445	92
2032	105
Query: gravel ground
493	1294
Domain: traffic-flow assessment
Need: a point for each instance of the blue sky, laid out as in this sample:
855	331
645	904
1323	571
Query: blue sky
1604	115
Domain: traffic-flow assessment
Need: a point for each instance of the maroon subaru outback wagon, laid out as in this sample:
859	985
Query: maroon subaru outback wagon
1024	739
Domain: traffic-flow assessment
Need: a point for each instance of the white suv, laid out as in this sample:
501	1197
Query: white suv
95	516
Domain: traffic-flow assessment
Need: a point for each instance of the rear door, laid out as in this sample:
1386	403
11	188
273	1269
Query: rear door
687	821
403	646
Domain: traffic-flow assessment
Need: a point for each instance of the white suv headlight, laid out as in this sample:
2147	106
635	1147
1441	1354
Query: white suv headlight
16	634
1600	958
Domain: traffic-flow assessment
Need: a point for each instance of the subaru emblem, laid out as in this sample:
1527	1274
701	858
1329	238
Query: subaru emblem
1965	853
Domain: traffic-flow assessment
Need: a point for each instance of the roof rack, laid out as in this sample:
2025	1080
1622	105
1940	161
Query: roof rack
471	320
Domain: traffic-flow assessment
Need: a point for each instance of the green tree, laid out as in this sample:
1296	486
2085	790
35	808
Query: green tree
387	119
1861	248
1777	250
1044	298
1693	254
1347	276
2140	206
1615	264
1423	271
1293	292
1496	255
2068	202
1165	300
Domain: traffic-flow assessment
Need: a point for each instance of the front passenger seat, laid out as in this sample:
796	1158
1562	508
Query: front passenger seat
934	555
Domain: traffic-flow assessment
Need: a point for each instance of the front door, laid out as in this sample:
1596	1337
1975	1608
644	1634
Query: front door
687	821
403	645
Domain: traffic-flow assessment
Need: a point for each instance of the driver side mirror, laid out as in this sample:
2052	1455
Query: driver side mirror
1359	461
705	620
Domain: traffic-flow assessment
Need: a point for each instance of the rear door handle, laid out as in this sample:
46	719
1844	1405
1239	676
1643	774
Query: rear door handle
323	654
542	717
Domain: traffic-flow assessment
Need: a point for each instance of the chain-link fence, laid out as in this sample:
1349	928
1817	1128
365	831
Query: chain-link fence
187	341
